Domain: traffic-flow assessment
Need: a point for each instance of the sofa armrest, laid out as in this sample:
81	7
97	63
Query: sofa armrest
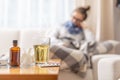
96	59
109	68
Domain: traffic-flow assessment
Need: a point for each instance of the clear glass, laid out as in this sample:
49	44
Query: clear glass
41	49
27	58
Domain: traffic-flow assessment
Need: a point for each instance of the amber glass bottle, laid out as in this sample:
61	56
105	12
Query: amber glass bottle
15	54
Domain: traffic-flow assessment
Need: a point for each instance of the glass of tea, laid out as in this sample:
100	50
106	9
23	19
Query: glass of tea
41	49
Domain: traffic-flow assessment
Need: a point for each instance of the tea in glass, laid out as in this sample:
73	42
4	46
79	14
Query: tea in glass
41	50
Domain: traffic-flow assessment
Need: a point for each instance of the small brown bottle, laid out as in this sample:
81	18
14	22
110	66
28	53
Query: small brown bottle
15	54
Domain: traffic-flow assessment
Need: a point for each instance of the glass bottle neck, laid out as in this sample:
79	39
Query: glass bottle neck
15	45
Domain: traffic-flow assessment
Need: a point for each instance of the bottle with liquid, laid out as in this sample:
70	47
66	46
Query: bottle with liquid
15	54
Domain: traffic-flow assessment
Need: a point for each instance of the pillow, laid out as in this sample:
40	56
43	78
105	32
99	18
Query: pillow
106	46
94	47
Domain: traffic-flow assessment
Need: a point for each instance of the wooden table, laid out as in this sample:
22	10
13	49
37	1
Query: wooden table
30	73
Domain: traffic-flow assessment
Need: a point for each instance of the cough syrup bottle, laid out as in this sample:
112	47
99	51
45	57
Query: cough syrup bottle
15	54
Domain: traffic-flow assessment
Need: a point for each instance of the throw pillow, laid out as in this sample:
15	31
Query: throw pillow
106	46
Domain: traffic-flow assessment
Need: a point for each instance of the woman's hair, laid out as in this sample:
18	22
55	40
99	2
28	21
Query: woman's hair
83	11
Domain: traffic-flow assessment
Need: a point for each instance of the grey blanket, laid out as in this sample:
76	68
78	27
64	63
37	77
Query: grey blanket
77	60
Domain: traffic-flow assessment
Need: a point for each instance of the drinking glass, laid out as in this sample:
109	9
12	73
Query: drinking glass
41	49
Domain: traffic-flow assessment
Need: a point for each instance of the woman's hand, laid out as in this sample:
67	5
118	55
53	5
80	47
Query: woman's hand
83	25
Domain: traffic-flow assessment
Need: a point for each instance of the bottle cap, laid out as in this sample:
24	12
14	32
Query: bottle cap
14	41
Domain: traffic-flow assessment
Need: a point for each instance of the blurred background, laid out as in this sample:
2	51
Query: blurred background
103	18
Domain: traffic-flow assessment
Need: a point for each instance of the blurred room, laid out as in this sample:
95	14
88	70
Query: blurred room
22	19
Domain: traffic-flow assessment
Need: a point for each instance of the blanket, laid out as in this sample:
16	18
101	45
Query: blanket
79	60
75	60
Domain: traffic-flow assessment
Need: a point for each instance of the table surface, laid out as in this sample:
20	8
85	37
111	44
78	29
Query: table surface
30	73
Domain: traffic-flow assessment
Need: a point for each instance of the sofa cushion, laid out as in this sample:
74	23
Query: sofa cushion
7	36
27	37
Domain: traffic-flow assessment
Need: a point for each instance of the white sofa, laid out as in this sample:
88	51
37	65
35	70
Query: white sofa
111	68
25	40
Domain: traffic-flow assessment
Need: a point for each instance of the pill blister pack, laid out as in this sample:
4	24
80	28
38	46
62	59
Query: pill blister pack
49	65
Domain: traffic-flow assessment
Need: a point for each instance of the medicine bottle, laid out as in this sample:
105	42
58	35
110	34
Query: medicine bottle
15	54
